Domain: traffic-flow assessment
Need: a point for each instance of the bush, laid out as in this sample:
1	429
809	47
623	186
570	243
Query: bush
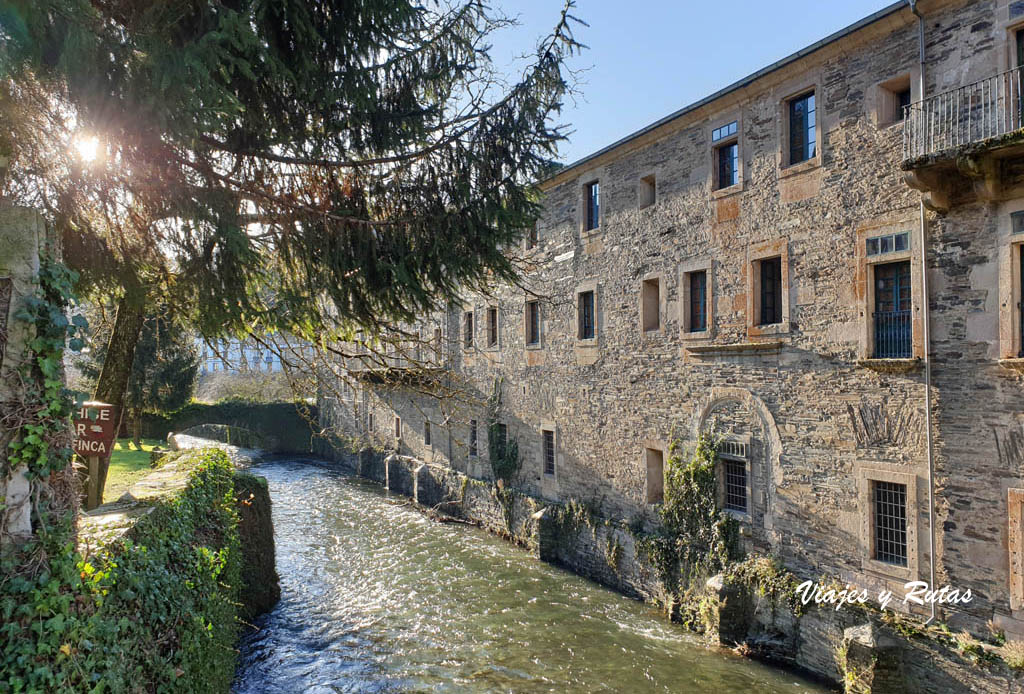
288	424
156	611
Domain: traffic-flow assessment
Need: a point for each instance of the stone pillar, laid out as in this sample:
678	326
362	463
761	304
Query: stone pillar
22	237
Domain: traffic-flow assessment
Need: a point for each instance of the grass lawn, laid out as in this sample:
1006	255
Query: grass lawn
127	466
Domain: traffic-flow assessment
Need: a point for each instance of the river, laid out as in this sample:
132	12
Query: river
378	598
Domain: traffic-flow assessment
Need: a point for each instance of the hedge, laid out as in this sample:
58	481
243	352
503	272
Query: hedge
287	423
156	611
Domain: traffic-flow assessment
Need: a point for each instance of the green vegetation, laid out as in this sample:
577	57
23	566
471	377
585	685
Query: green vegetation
127	466
156	611
696	539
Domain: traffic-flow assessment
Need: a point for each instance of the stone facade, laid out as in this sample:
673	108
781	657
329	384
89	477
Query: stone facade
814	414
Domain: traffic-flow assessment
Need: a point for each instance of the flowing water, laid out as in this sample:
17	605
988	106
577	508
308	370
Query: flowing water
378	598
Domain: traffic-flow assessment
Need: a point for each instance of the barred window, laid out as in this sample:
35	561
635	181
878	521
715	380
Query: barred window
549	452
890	501
472	438
735	472
698	301
586	315
771	291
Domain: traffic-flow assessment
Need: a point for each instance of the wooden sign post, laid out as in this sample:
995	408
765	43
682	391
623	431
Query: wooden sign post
94	438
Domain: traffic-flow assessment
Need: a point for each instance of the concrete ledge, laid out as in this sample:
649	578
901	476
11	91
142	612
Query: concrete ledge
1014	364
891	366
736	348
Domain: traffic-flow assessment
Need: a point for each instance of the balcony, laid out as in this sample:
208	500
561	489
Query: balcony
893	335
957	144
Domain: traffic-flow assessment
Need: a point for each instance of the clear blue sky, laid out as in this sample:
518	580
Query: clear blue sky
648	58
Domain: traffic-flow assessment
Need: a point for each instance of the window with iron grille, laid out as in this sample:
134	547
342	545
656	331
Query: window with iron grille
771	291
492	326
698	301
472	438
467	329
890	501
532	322
586	315
892	315
728	157
426	433
549	452
802	129
593	202
735	478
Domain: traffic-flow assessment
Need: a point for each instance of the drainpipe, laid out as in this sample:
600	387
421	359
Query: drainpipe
926	339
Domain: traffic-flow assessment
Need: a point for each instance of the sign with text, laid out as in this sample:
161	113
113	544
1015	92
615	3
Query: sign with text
94	429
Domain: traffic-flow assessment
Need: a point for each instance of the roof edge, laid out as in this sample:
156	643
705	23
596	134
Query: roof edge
735	86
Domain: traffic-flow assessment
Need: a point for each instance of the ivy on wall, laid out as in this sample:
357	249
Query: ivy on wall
154	612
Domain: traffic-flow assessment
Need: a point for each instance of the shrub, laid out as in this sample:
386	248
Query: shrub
1013	654
156	611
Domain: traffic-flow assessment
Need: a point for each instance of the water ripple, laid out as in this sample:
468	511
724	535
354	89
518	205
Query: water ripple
377	598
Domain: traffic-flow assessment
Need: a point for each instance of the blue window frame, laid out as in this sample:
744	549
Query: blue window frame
593	194
802	129
728	165
892	311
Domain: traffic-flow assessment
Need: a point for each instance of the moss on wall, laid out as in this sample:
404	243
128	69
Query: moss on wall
260	583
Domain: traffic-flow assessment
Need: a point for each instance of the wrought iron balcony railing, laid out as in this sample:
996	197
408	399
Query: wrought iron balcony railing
892	335
966	115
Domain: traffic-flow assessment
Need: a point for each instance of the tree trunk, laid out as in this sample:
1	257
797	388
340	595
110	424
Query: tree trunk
137	429
117	367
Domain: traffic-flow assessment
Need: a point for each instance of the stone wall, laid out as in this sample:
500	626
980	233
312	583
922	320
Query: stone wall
819	417
22	240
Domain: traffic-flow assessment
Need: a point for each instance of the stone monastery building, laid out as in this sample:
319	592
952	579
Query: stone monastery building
823	263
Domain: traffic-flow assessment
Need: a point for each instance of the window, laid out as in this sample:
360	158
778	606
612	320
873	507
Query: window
492	326
771	291
437	342
902	102
655	460
890	520
586	316
426	433
719	134
647	192
727	157
467	329
533	322
592	194
698	301
892	311
735	484
398	427
890	243
473	450
531	237
549	452
650	305
802	129
369	421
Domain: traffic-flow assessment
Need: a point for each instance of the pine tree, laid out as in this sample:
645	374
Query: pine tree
316	167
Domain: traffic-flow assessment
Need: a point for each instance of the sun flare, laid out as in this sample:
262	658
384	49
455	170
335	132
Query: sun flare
88	147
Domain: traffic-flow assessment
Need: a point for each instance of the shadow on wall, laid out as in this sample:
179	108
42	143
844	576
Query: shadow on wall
283	427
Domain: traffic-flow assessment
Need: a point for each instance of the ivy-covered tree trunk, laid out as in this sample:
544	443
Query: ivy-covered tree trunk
117	367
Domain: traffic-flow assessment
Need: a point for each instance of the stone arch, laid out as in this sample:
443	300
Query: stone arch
722	397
